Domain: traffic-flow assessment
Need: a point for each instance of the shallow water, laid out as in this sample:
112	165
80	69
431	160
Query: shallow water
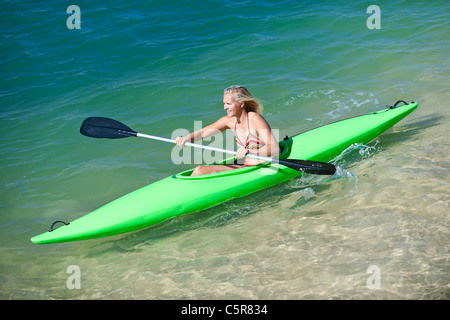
159	66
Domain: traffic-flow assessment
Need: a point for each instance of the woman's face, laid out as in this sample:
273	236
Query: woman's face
231	106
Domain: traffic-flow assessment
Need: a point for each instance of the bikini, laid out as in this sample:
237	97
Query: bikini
252	142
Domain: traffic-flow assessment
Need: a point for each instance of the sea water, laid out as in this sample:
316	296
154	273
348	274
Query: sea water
378	229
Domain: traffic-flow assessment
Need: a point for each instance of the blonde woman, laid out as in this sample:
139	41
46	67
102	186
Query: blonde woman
244	118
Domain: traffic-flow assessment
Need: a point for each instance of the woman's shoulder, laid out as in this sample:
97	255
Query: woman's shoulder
225	121
257	120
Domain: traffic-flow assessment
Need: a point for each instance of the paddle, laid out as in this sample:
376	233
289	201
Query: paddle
99	127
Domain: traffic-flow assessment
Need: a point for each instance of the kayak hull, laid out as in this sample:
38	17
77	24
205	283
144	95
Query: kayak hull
183	194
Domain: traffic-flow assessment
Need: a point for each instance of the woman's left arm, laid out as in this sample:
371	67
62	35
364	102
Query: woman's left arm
265	134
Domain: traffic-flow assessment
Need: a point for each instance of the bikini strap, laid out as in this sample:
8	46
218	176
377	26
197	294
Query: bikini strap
248	133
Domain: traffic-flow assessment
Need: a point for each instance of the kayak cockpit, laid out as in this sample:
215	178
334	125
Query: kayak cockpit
284	153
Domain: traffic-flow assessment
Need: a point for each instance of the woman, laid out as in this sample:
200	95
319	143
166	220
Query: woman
244	118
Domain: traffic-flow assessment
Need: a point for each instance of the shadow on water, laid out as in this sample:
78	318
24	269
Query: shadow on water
354	154
309	187
411	129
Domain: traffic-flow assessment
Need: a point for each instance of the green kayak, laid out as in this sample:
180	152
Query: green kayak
167	198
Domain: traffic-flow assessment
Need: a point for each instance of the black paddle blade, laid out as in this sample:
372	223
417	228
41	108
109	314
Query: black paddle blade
314	167
99	127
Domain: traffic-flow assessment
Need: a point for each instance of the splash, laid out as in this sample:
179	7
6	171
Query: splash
353	154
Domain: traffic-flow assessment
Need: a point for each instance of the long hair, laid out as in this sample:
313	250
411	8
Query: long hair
241	94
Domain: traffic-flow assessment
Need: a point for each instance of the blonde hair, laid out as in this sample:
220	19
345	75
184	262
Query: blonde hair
241	94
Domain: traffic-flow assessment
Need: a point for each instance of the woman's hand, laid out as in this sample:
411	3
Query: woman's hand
241	153
181	141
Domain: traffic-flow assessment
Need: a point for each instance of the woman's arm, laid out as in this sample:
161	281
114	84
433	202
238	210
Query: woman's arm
210	130
265	134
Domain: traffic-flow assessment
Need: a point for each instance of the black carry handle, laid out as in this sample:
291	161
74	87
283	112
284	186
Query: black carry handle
396	104
59	221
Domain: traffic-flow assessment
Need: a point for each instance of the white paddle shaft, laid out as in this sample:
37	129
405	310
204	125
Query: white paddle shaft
189	144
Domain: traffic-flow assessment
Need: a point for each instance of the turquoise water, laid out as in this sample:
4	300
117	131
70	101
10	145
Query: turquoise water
161	65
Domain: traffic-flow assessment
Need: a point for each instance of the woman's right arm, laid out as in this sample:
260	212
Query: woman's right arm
210	130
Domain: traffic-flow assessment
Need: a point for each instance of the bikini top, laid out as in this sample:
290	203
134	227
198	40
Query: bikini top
252	142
